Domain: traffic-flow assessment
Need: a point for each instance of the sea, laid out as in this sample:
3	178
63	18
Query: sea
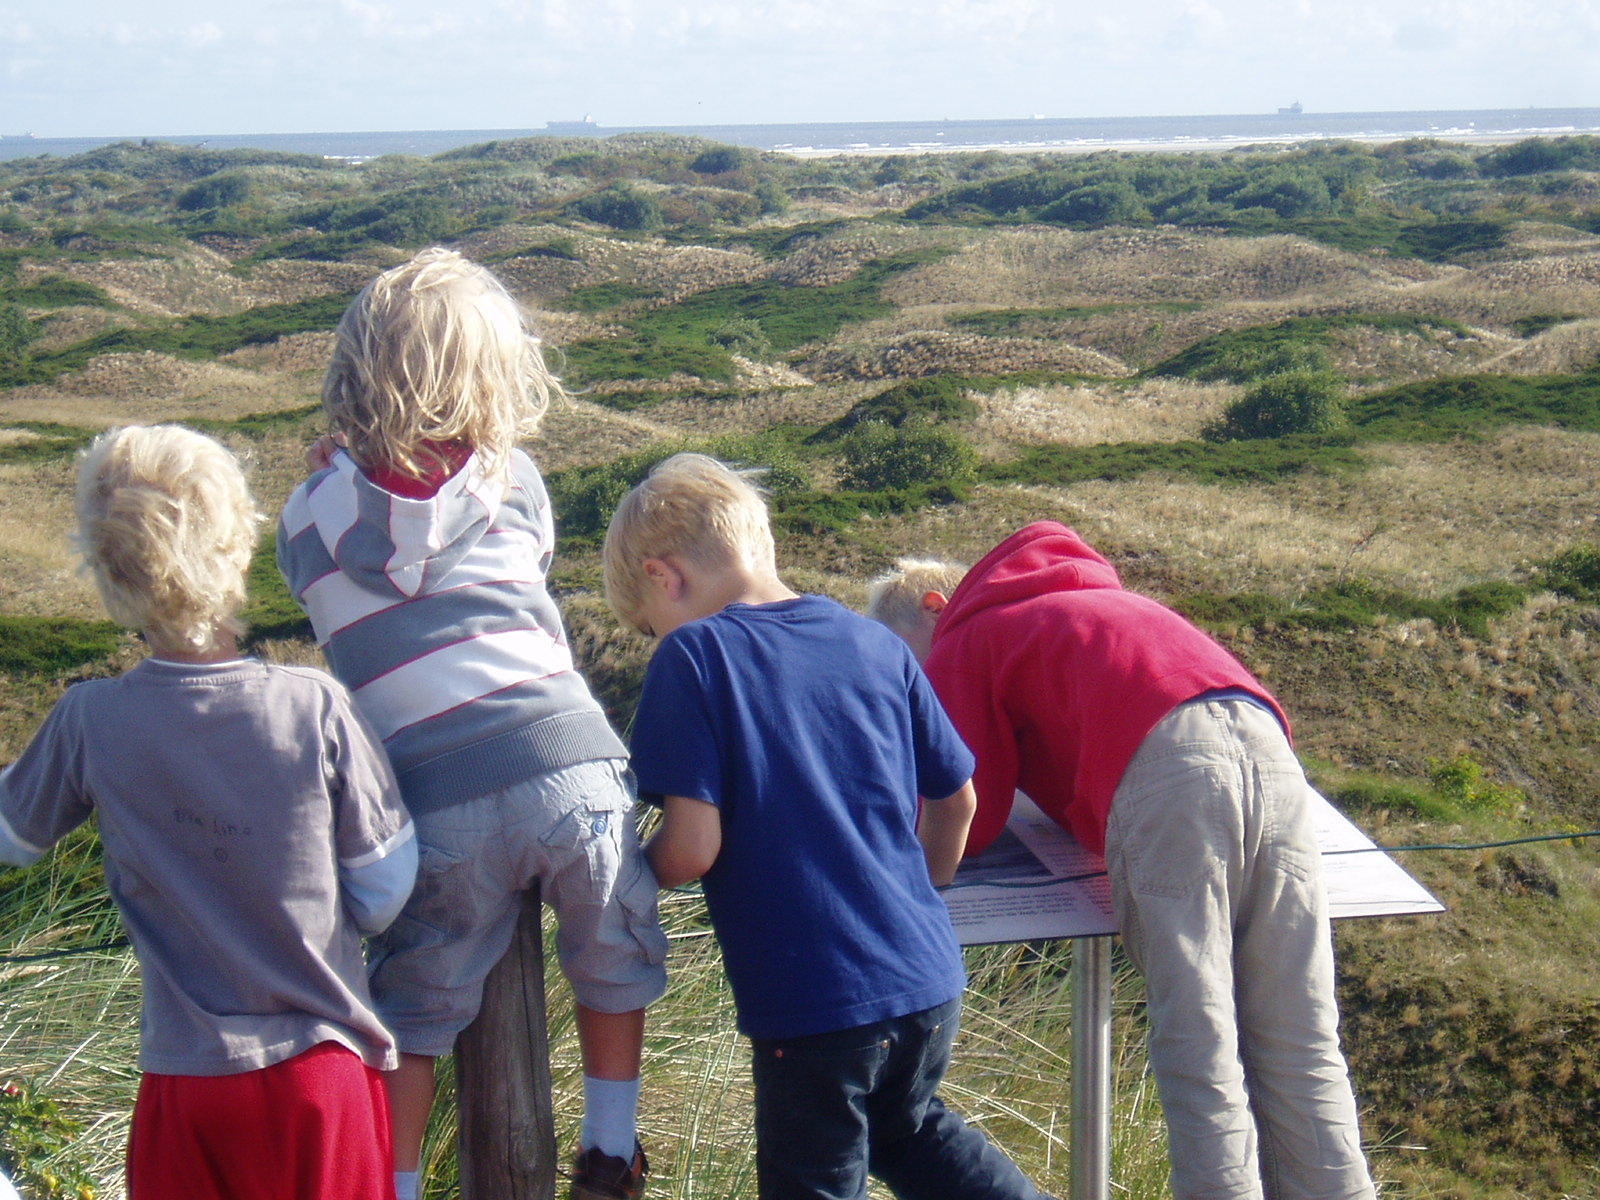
1289	125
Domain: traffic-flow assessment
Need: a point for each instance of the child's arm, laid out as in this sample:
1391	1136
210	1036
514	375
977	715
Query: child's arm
376	891
14	851
688	841
942	830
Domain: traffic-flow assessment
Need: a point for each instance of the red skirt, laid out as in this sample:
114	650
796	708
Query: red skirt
316	1125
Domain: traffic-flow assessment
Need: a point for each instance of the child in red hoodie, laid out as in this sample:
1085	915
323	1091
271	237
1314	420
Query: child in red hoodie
1149	741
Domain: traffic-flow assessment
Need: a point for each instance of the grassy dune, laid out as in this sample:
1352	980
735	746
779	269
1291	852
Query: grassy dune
1418	581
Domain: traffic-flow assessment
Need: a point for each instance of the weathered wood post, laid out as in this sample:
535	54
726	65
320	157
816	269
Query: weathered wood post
507	1138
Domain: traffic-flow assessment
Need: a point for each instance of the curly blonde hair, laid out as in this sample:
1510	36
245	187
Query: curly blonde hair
166	526
691	506
432	352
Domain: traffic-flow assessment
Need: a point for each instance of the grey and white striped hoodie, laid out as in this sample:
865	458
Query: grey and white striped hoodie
436	616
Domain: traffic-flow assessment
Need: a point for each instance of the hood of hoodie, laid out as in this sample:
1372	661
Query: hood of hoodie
388	543
1041	558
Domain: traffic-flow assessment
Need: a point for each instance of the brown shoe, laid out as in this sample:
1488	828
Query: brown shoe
600	1176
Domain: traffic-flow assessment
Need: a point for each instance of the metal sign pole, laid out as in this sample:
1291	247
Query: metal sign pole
1091	1068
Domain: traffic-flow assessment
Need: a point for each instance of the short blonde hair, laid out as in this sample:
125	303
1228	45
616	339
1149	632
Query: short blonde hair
691	506
895	597
166	526
435	350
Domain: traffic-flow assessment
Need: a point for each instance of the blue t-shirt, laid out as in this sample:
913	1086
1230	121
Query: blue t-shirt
813	731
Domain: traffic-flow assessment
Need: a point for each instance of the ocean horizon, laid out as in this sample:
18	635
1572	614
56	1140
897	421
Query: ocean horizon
1289	125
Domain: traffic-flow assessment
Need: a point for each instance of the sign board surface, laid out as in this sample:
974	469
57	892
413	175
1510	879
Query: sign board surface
1037	881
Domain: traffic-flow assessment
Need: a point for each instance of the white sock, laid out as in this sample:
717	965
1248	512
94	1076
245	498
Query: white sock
610	1116
407	1185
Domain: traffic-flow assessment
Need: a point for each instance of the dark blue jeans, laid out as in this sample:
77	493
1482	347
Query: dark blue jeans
833	1107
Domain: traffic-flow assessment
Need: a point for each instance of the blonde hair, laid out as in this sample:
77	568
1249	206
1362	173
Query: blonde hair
691	506
166	526
435	351
895	597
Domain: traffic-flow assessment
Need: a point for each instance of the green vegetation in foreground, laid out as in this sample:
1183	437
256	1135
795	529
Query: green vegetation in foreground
50	441
681	338
54	646
1354	603
195	337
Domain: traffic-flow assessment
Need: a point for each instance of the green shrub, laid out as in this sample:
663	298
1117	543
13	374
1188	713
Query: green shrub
215	191
772	197
621	207
1538	155
61	291
1249	361
930	399
1294	402
1461	782
17	333
1448	239
1286	196
1373	793
743	336
1113	203
881	457
36	1145
1574	573
718	160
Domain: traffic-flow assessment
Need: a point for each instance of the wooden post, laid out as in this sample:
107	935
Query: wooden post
507	1138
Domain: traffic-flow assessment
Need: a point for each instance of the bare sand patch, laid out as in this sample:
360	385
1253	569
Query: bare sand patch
1034	266
172	282
290	354
65	326
755	412
1429	519
1503	291
116	389
38	569
1154	410
1567	348
283	280
580	433
937	352
833	258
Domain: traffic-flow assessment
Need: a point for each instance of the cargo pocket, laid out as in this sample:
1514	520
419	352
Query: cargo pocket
443	899
640	897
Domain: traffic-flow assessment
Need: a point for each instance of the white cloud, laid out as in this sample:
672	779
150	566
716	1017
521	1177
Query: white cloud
200	36
90	67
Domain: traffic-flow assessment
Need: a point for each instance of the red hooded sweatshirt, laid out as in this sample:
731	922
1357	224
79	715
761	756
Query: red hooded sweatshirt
1054	675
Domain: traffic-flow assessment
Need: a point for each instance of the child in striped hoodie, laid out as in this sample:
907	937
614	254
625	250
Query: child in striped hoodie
419	547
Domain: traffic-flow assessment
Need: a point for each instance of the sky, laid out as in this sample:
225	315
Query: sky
90	68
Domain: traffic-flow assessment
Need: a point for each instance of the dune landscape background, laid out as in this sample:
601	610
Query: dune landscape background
926	352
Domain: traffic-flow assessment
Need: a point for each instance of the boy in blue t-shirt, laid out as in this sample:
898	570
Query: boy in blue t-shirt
787	740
